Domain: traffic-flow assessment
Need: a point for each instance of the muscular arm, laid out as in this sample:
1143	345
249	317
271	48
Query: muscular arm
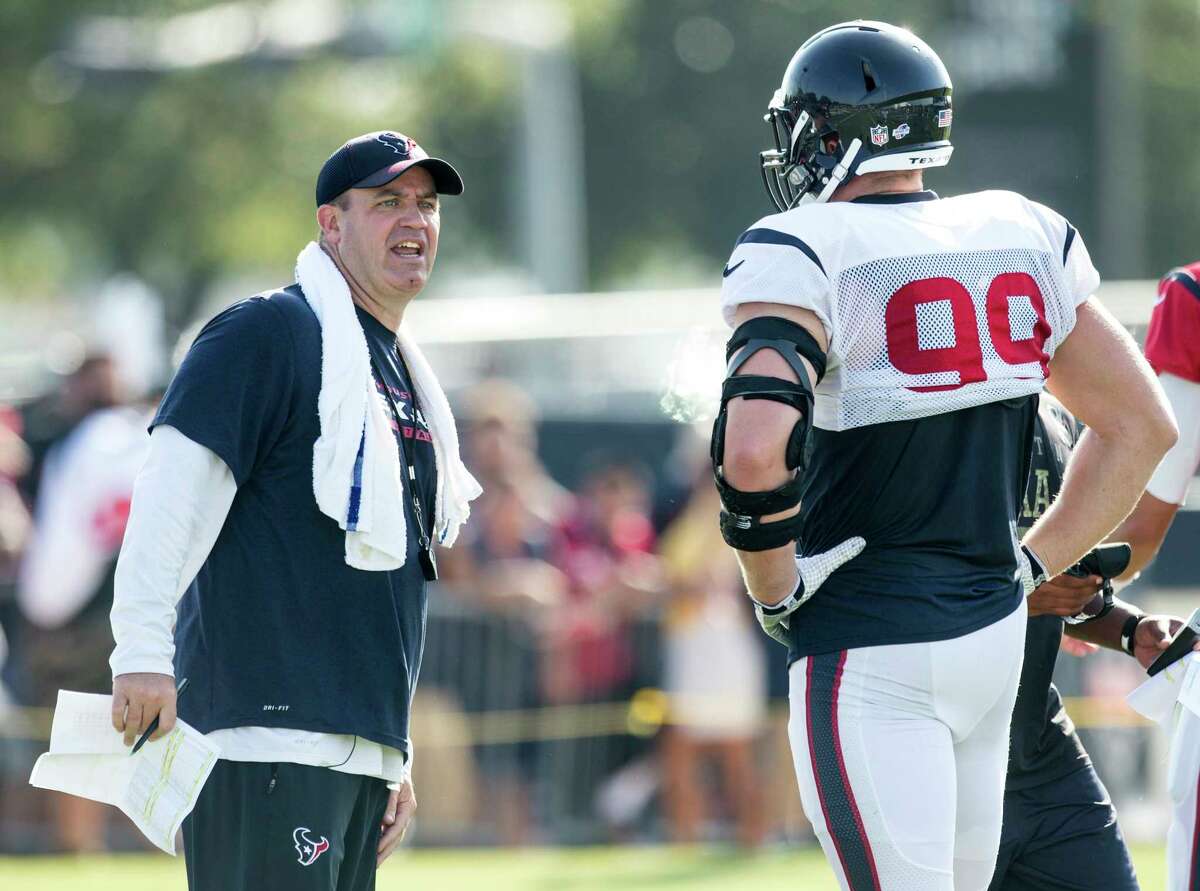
755	440
1144	530
1147	526
1100	376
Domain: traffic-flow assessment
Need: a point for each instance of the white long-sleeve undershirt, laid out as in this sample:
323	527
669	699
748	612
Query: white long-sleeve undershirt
180	501
1174	474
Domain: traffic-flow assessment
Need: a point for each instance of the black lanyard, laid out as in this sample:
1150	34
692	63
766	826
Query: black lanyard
425	554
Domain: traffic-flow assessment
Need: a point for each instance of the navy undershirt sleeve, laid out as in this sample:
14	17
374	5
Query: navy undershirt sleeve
232	392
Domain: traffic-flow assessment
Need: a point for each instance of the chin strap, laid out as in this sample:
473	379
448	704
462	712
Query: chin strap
840	172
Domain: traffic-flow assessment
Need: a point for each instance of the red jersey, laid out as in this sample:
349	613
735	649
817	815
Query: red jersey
1173	339
1173	349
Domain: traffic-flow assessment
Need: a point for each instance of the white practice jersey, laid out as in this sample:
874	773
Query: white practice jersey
930	305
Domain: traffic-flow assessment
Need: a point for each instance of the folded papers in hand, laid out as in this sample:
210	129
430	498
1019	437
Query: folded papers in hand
156	788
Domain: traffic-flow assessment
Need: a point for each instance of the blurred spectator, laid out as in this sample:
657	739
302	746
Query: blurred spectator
64	586
508	538
46	421
604	547
15	462
500	564
502	560
14	532
14	518
501	447
715	676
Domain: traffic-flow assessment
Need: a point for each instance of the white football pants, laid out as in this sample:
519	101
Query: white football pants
901	753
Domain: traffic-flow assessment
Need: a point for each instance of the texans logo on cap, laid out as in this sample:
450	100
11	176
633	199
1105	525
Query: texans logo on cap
374	159
401	145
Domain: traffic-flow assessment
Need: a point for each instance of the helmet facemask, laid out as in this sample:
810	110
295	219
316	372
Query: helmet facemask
809	162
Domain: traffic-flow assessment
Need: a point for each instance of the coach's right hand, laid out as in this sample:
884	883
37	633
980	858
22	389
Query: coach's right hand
137	699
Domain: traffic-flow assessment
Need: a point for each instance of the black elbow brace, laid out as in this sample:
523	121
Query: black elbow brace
741	524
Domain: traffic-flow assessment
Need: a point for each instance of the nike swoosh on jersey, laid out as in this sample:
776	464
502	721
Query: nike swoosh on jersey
730	270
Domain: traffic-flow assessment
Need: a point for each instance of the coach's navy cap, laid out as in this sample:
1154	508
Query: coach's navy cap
370	160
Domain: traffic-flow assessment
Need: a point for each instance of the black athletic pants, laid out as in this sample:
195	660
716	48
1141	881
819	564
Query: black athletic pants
284	827
1063	836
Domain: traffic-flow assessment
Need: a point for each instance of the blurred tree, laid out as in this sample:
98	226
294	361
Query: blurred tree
674	99
184	174
1166	55
199	164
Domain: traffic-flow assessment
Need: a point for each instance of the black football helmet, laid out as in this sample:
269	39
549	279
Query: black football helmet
858	97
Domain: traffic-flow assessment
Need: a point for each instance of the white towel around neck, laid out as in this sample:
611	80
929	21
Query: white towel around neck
353	422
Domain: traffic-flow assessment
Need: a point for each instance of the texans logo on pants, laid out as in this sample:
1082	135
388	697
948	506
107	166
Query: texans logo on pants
308	849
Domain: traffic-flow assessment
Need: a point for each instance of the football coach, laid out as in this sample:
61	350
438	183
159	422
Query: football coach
302	464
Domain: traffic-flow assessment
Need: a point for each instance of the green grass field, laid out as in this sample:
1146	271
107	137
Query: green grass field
588	869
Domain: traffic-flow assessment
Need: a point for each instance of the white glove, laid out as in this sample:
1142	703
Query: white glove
811	572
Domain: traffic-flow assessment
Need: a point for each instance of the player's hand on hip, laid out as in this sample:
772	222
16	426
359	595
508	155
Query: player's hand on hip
401	805
138	699
1064	595
1153	635
812	571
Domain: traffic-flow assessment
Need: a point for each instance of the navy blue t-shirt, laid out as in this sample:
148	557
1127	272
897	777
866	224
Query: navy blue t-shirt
936	499
276	630
1044	746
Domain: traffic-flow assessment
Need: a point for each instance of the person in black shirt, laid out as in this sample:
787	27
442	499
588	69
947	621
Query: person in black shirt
1060	830
301	462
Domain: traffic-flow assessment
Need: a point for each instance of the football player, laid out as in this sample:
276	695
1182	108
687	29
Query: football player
1060	830
887	353
1173	350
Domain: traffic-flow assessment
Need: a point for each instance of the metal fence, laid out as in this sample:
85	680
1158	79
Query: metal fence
496	763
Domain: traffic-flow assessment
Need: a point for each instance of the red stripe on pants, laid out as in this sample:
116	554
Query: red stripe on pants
837	739
839	787
812	757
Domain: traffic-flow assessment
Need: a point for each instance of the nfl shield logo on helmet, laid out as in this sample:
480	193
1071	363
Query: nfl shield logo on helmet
879	135
945	116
